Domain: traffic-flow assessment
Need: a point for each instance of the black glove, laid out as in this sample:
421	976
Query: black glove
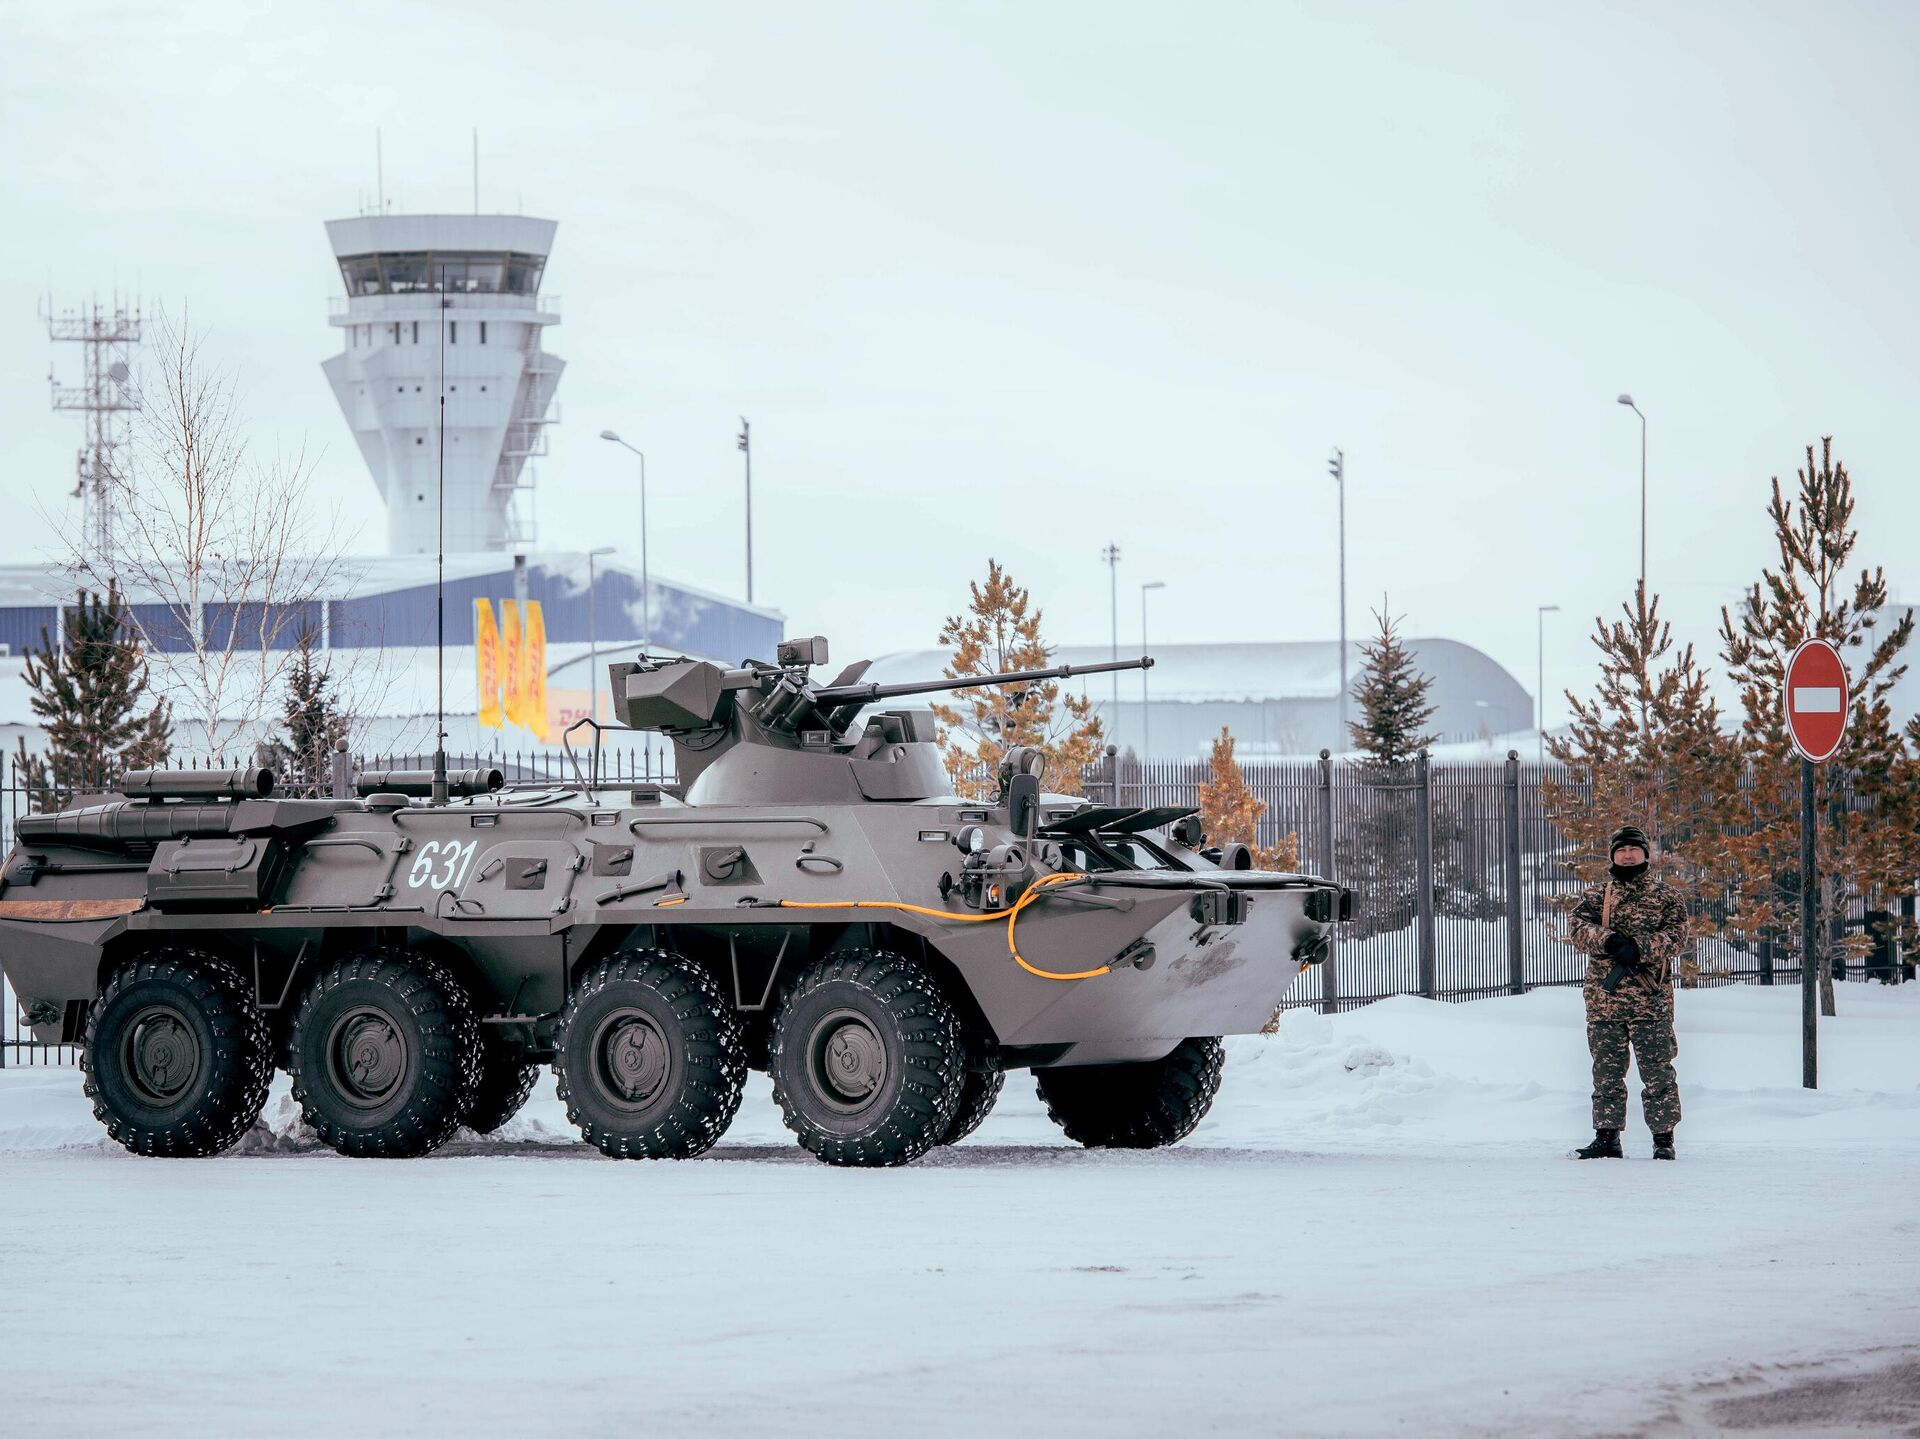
1620	948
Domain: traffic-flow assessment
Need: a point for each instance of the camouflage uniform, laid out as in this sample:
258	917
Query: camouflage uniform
1639	1013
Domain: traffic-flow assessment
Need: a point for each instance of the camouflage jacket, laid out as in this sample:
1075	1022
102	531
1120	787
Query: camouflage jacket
1650	914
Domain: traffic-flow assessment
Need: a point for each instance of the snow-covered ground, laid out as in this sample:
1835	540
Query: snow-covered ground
1374	1232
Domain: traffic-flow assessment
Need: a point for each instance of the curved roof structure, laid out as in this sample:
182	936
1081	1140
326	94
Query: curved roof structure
1278	697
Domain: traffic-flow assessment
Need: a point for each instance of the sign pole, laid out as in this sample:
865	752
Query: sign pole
1813	702
1809	923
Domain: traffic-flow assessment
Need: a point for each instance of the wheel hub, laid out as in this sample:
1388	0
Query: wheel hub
849	1060
634	1060
161	1055
366	1057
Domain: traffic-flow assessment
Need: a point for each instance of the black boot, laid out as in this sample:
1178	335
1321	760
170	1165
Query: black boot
1606	1145
1663	1144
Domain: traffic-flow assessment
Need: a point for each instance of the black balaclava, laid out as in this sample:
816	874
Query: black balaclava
1626	835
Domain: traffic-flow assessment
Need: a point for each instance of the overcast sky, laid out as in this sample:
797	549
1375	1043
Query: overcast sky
1020	280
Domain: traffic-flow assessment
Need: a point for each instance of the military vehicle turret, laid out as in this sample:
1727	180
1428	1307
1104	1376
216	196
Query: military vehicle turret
810	898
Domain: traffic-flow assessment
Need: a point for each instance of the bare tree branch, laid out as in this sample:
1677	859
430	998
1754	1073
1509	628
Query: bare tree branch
217	548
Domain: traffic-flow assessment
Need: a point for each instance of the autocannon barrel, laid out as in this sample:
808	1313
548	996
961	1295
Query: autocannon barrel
836	695
197	783
122	822
460	782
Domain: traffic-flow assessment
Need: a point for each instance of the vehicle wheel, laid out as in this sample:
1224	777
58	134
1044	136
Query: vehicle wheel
506	1079
386	1055
649	1057
867	1061
978	1090
1135	1106
177	1056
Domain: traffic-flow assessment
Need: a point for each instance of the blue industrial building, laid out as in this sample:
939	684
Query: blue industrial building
388	603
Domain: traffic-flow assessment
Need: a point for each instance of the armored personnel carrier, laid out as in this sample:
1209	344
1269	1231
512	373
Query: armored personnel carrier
810	898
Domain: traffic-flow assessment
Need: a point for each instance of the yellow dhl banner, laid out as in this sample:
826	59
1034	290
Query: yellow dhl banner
515	676
487	663
533	685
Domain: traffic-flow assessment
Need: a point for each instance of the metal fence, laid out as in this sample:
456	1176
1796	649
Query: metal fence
1459	873
1461	877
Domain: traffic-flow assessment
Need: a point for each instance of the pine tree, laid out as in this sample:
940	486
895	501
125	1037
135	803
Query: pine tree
1000	630
1647	748
1394	708
1374	850
1875	770
90	697
1230	811
311	716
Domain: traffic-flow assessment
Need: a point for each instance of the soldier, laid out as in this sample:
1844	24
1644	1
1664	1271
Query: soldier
1632	926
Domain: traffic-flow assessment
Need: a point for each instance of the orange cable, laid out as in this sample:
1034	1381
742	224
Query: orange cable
1011	915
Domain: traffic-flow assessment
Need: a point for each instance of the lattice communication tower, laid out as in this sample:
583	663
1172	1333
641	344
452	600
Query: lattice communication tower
107	335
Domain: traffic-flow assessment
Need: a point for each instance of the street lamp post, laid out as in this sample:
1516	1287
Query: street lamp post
1337	467
1111	554
1627	400
646	580
745	445
1540	677
1146	732
593	632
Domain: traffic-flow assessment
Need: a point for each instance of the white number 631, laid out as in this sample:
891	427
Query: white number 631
441	863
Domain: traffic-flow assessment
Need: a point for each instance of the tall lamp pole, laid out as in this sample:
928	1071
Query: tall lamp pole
745	445
1337	467
1540	677
1146	721
646	585
1111	554
1627	400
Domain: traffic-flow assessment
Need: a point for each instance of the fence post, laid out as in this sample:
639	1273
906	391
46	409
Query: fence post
1423	865
1329	967
341	779
1516	920
1766	956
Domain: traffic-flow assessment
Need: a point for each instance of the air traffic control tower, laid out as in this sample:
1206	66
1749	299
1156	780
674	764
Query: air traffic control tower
406	277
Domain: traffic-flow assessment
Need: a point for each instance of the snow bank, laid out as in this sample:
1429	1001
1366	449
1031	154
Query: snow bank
1492	1071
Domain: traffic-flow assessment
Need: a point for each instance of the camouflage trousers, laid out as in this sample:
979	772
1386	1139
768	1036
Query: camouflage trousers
1654	1045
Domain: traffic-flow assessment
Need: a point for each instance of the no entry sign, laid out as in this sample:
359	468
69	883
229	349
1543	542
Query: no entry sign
1816	700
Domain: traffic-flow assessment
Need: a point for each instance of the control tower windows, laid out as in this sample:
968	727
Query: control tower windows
483	332
470	274
416	332
453	332
404	274
523	273
362	274
461	273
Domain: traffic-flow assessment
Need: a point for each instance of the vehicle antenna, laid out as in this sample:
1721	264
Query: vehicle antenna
440	584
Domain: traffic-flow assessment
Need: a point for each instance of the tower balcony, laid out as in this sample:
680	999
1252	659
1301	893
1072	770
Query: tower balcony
372	309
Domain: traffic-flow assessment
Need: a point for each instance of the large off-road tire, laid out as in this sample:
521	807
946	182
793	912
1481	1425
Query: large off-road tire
177	1056
867	1060
649	1057
506	1079
386	1055
1135	1106
978	1090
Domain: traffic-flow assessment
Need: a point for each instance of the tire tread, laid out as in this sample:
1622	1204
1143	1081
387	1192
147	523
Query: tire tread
1135	1106
714	1054
242	1057
935	1060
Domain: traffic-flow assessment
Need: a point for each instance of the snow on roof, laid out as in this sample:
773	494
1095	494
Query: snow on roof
359	576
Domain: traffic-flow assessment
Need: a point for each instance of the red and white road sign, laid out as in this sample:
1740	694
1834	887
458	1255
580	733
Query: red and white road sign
1816	700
